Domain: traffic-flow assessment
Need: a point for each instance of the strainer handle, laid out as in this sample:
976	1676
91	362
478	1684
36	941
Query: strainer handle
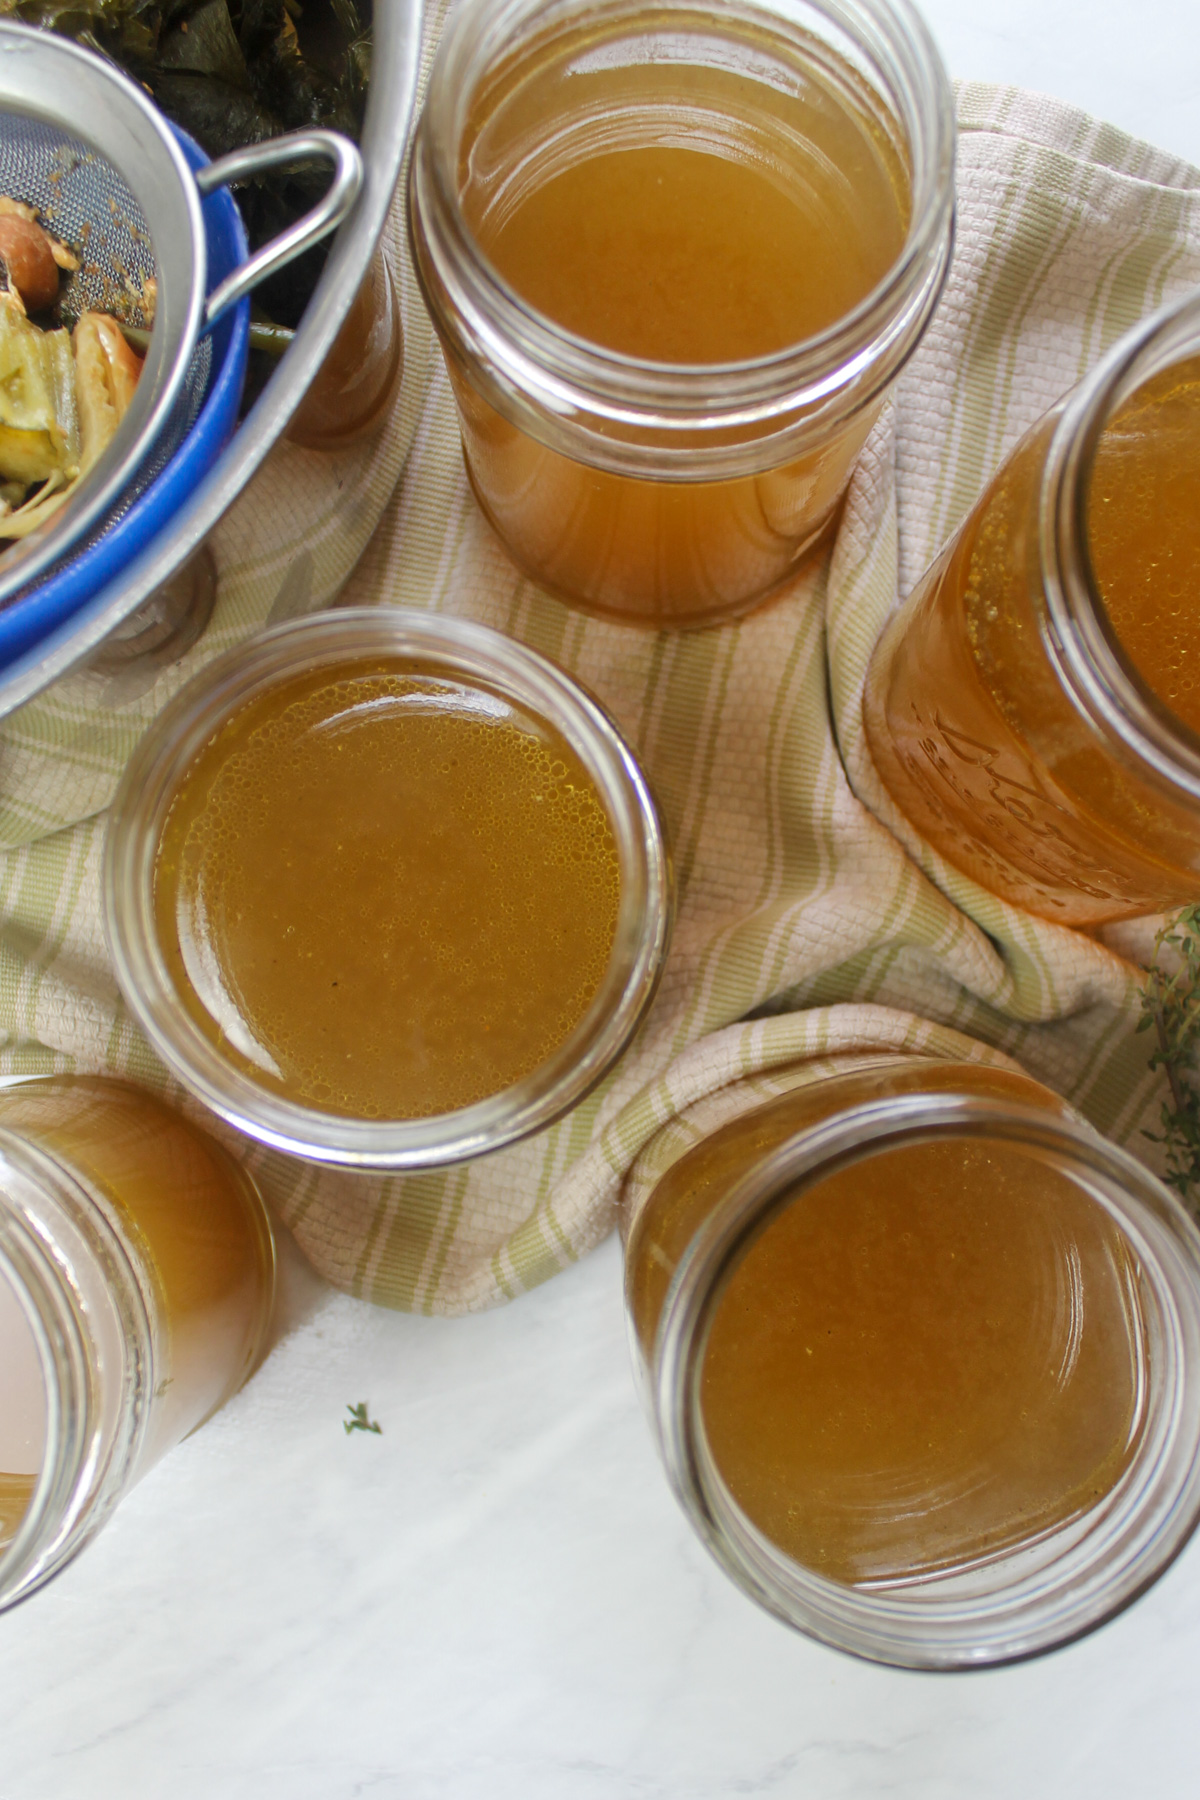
325	216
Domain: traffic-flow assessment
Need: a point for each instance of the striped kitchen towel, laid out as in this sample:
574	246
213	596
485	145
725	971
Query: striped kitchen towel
804	924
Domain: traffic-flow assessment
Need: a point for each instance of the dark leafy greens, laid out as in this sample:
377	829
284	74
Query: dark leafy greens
235	72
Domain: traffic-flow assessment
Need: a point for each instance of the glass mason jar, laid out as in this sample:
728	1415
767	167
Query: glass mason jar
1005	717
356	384
671	487
168	947
920	1350
137	1273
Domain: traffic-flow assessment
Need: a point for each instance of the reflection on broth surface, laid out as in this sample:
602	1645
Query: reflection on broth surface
925	1360
386	893
735	242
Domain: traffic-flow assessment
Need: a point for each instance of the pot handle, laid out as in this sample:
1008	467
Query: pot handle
279	153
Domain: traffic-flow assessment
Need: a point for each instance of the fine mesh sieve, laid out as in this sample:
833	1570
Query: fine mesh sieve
148	507
83	200
83	144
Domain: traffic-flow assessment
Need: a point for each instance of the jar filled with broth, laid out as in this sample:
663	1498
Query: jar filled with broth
920	1351
675	255
137	1274
386	889
1034	707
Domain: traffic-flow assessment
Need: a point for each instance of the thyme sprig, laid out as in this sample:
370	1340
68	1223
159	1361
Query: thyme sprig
359	1421
1171	1008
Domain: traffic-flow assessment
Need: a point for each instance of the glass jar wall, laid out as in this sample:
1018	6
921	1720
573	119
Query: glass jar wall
137	1276
920	1350
675	256
356	384
1032	708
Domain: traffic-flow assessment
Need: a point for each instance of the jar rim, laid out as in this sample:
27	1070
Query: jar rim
832	374
1103	1561
477	652
1096	676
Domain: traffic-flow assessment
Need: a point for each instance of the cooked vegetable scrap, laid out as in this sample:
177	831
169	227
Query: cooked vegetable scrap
39	420
30	258
62	394
28	261
106	375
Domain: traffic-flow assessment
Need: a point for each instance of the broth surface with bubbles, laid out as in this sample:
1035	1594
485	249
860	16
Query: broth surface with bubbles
387	893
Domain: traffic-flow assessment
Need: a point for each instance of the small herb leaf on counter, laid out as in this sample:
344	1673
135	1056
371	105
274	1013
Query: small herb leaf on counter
359	1421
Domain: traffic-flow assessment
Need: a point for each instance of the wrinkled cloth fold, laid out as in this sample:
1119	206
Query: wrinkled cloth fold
809	916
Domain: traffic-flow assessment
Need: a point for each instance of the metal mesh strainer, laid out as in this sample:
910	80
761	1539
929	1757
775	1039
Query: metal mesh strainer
83	144
84	201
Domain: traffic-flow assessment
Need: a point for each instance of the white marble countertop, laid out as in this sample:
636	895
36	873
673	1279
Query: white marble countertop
497	1596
